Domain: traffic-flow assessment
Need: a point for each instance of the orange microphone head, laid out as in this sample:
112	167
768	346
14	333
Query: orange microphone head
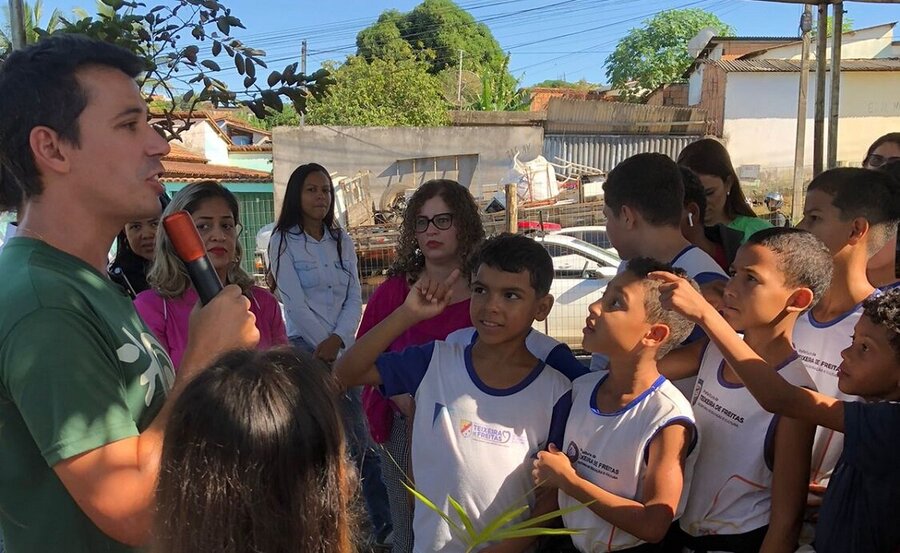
184	236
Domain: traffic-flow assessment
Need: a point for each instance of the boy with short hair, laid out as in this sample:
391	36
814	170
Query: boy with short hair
860	510
749	484
630	434
644	196
484	409
854	212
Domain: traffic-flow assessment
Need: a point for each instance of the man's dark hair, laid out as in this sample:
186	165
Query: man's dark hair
803	259
872	195
694	191
649	184
38	87
679	326
884	311
514	253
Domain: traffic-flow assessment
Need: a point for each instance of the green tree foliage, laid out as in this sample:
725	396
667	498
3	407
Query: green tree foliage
434	31
499	94
656	53
34	15
380	92
184	42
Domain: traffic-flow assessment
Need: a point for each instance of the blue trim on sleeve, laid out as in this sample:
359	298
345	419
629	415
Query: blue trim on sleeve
690	424
562	359
558	420
401	372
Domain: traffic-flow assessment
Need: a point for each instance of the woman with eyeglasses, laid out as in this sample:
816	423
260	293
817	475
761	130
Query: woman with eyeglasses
440	228
314	269
882	269
166	306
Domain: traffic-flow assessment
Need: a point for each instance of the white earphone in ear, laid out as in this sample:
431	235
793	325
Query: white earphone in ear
690	219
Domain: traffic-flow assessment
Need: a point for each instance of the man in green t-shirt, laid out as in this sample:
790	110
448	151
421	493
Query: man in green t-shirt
85	389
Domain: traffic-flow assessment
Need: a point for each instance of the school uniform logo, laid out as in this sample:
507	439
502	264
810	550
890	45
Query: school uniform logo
698	389
465	428
572	452
486	433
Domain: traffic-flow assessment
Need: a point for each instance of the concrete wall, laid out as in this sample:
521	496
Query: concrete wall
761	110
472	155
202	139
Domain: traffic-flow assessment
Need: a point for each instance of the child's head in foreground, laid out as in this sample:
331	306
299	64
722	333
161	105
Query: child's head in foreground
847	205
629	317
511	278
778	271
645	189
871	365
253	460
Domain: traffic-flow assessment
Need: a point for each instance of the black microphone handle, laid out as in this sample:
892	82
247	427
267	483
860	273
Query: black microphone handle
204	278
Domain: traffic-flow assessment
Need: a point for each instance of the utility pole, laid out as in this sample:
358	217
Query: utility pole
459	81
303	51
17	23
835	100
819	124
799	147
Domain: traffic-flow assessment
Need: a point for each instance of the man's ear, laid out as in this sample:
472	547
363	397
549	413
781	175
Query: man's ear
47	149
859	228
800	300
544	306
628	216
657	334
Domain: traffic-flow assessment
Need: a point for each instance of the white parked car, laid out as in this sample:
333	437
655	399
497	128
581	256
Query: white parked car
581	272
595	235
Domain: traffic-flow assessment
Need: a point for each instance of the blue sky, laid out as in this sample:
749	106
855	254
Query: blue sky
547	39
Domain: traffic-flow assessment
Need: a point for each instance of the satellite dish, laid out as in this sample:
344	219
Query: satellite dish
699	42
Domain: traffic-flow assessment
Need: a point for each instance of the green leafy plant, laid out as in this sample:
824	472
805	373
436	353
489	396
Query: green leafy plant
498	529
180	74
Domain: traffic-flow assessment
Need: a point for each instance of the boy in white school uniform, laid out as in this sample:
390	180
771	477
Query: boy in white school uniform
630	436
484	409
854	212
749	485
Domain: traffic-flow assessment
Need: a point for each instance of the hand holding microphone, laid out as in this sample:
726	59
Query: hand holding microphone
190	249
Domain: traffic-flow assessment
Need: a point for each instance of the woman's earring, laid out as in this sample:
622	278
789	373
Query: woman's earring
690	219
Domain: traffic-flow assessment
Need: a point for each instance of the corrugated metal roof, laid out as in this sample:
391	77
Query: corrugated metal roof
606	151
790	66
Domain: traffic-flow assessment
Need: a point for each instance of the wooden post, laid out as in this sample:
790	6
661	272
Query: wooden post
799	146
835	101
819	124
512	208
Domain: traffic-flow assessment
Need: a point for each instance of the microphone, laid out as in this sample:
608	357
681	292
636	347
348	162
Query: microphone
186	240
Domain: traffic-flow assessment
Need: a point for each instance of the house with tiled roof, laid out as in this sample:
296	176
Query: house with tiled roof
252	187
749	86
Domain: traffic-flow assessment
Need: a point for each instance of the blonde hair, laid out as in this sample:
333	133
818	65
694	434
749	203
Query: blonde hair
168	276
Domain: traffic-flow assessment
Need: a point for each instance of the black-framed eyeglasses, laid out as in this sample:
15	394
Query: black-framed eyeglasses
876	160
441	221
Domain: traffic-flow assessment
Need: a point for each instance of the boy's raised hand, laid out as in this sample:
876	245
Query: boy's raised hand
677	294
428	297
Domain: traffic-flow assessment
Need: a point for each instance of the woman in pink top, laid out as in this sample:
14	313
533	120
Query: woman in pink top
167	305
440	228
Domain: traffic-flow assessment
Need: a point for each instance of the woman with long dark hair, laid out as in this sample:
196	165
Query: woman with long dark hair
314	268
725	201
135	249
